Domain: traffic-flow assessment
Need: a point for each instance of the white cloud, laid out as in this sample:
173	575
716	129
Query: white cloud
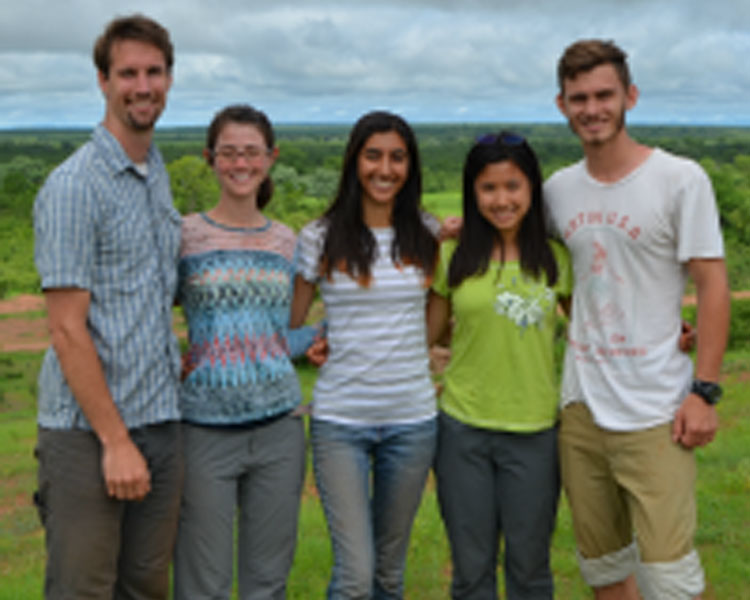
432	59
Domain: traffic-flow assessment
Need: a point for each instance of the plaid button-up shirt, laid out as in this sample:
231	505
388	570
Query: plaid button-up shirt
102	225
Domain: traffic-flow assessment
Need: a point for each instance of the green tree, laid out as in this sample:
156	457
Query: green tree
731	183
290	204
321	183
194	186
20	179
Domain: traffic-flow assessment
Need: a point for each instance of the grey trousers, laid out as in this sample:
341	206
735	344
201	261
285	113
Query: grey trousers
99	547
492	484
255	473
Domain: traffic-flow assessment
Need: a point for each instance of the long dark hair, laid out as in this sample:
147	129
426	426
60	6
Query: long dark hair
349	244
245	115
478	236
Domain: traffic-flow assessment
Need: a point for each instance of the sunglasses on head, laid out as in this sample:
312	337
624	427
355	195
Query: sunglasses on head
504	137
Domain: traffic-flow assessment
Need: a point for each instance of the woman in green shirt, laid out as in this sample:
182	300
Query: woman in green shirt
496	465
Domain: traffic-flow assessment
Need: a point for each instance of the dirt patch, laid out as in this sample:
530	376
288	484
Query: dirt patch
23	333
26	330
19	501
22	304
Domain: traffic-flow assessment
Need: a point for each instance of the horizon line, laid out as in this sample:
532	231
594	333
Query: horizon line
88	127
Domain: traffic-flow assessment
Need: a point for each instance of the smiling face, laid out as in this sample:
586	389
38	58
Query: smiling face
595	102
135	87
382	169
503	195
241	160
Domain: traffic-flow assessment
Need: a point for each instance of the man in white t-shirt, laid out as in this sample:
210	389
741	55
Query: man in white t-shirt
638	221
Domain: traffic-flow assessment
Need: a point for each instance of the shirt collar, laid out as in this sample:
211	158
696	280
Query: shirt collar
116	157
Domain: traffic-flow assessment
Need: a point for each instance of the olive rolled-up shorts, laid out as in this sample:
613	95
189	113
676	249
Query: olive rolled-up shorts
623	483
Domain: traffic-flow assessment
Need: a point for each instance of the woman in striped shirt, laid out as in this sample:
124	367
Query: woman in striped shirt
372	256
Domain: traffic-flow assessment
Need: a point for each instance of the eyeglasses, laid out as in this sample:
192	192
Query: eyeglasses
506	138
231	153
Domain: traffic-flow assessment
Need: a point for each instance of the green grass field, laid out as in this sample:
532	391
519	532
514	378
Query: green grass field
723	496
442	204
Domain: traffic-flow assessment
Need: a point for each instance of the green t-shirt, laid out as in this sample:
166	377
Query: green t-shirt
502	374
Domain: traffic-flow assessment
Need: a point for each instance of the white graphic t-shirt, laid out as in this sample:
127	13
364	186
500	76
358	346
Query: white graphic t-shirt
630	242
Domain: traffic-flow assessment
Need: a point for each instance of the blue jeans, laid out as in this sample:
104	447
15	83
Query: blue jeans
370	481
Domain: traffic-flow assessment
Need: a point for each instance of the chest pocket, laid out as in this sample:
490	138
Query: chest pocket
127	254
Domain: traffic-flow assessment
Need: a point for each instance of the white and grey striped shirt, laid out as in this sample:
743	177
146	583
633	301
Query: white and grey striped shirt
377	370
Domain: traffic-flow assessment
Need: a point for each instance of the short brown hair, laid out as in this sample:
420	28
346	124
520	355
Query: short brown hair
584	55
135	27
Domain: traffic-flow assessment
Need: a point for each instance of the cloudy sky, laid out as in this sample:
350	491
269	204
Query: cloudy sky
430	60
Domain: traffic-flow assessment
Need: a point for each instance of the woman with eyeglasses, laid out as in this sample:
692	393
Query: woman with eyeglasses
243	439
496	463
373	426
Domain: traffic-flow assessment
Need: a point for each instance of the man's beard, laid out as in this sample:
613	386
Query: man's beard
619	125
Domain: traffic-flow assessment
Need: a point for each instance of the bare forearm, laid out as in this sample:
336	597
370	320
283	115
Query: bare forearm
126	474
438	314
304	292
124	469
696	422
84	375
713	309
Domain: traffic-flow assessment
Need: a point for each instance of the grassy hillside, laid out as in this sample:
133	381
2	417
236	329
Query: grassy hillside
723	499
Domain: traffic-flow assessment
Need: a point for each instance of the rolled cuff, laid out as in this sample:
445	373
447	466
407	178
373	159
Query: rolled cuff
681	579
610	568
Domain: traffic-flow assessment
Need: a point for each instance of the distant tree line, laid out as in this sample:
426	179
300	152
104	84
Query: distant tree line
306	175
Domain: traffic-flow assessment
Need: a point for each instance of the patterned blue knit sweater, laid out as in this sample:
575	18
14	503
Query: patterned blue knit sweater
235	287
